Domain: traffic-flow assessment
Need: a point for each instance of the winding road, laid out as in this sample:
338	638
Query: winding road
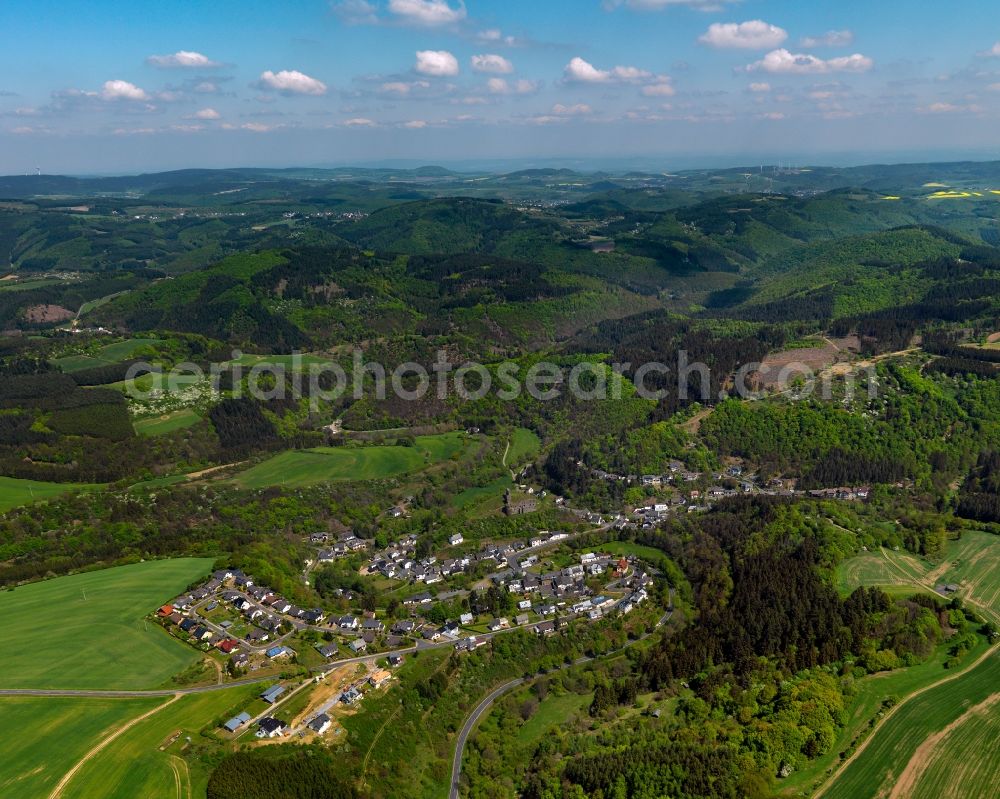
482	707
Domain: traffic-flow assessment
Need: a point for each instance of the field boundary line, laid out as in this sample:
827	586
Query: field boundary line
918	764
61	785
890	713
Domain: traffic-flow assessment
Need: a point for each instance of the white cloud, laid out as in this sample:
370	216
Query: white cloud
258	127
182	59
207	113
356	12
207	87
122	90
950	108
415	124
427	12
496	36
580	71
993	87
783	62
291	81
436	63
360	122
580	109
774	115
662	88
829	39
501	86
753	35
490	62
993	52
760	88
403	88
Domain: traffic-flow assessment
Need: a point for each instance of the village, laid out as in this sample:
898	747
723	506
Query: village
254	630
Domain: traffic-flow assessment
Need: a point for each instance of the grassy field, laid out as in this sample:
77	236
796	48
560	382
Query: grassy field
972	562
109	354
923	730
481	494
14	492
87	630
962	761
167	423
650	555
934	744
31	765
524	444
554	710
290	363
134	765
866	703
323	464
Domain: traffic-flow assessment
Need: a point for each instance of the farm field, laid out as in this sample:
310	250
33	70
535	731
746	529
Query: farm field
322	464
32	765
972	563
106	356
866	703
88	630
166	423
894	762
291	363
135	765
15	492
960	763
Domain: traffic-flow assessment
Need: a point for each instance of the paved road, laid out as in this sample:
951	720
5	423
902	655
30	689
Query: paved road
470	723
420	646
482	707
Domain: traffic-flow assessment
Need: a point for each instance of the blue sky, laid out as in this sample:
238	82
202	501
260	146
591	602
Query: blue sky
99	86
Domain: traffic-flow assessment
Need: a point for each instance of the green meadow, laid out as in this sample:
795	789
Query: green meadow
45	736
290	363
889	757
135	765
972	562
325	464
14	492
166	423
106	356
88	630
524	444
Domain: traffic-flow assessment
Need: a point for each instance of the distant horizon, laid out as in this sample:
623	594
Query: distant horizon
583	165
97	88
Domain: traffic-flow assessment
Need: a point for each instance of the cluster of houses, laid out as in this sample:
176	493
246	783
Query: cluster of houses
564	594
347	544
399	562
197	632
269	615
